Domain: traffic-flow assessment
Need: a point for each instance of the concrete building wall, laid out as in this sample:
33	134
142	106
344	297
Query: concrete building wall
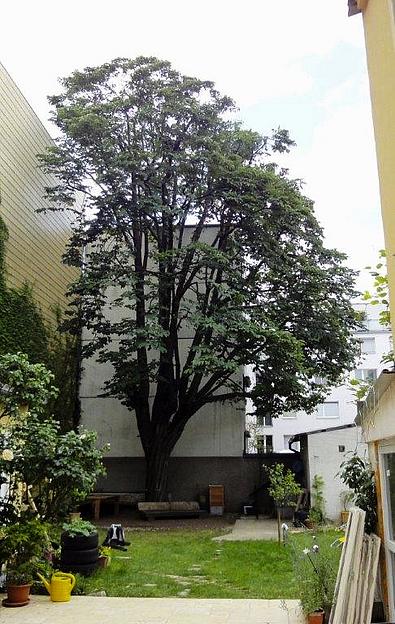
190	477
326	451
217	430
36	241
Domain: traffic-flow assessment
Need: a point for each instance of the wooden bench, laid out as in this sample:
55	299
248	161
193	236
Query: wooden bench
117	498
174	509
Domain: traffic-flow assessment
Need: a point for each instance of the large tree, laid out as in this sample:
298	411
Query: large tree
160	159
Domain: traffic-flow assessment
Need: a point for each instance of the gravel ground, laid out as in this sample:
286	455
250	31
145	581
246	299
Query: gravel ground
131	519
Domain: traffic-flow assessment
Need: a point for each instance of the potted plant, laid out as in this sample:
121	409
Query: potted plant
22	546
283	489
315	570
19	582
79	547
346	499
104	556
358	475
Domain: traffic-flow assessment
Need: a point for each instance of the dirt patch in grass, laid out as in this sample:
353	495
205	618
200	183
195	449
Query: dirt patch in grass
131	519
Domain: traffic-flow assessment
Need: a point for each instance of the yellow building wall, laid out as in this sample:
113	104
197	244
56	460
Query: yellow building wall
36	241
379	26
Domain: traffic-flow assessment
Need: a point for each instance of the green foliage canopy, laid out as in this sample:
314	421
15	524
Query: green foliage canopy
283	488
194	231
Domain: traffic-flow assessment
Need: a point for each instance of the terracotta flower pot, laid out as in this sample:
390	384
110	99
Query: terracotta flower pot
344	516
103	561
316	617
17	595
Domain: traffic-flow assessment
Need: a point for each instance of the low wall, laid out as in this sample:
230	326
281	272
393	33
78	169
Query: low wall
189	477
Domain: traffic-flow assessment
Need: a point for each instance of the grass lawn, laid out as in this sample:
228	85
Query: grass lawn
185	563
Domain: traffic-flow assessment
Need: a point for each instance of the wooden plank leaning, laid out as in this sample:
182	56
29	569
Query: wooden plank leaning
343	609
357	574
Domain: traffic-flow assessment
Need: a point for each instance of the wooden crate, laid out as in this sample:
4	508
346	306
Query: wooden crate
216	494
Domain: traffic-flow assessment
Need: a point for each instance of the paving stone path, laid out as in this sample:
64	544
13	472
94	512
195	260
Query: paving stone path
249	528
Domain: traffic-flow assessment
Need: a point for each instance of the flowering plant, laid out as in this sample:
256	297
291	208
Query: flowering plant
315	568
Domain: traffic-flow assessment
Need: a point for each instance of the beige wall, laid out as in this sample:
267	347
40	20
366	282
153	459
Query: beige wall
379	26
36	241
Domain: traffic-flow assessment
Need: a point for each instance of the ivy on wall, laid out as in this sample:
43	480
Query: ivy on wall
23	328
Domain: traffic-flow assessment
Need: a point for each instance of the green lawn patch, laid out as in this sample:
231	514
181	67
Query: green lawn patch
190	564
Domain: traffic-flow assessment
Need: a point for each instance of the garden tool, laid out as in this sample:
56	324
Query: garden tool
60	586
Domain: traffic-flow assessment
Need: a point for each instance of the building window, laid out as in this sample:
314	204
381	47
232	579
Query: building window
329	409
320	381
368	345
263	419
366	374
264	443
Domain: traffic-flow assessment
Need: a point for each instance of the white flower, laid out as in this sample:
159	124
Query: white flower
306	551
284	526
7	455
315	548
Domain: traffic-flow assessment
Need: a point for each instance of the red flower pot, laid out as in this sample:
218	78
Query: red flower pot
316	617
17	595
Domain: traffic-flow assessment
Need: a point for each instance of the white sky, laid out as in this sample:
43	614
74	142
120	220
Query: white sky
298	64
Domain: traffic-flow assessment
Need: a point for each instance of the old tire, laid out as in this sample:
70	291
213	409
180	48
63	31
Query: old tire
86	569
79	542
90	555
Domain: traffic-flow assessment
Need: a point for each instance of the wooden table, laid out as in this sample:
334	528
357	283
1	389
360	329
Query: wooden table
96	500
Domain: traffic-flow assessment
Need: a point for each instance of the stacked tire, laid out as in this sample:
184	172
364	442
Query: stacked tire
80	553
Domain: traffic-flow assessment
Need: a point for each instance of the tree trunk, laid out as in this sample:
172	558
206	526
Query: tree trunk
279	524
157	468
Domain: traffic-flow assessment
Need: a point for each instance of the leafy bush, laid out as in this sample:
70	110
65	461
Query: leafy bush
79	527
317	509
47	472
60	470
358	475
22	546
24	385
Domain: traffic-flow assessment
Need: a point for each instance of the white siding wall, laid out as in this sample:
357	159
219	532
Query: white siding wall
325	459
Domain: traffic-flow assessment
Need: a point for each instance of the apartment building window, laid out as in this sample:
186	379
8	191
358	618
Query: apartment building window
264	443
320	381
366	374
264	419
368	345
329	409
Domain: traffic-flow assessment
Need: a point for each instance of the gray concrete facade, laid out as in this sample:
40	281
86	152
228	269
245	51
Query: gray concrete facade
216	431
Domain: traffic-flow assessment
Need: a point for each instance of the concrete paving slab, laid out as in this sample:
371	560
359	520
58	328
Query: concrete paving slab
249	528
95	610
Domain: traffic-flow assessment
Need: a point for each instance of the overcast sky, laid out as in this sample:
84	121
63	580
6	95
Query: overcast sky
296	64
